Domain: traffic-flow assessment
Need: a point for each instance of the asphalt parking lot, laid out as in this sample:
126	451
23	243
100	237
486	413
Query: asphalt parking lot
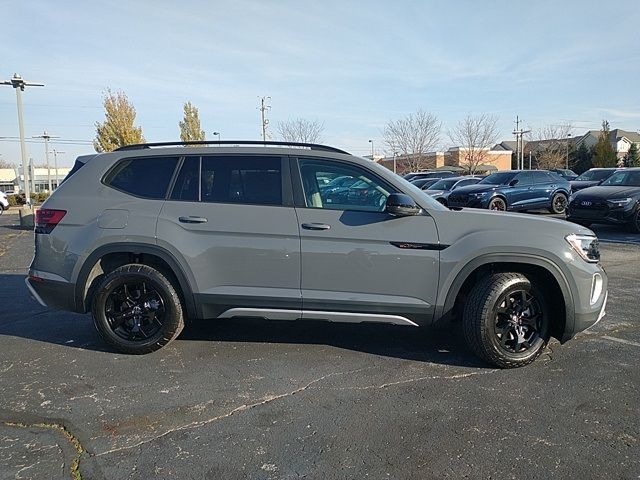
262	400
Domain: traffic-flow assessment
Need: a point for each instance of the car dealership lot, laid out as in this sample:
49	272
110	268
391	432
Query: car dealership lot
251	399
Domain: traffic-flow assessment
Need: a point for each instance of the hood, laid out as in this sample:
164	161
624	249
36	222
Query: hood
468	221
580	184
607	191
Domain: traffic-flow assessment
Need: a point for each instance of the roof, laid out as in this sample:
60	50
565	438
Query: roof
616	134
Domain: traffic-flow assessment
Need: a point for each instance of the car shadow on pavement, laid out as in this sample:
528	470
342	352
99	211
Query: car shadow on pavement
21	316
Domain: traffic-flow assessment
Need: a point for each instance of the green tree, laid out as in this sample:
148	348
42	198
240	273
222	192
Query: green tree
580	158
190	125
632	158
118	128
603	153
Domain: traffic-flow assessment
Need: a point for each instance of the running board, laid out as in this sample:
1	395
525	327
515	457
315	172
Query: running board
343	317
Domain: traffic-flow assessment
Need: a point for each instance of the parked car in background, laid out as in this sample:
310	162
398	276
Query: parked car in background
615	201
429	174
424	183
565	173
441	189
593	176
4	203
515	190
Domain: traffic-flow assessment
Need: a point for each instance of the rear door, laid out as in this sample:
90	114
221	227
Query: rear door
231	218
357	258
544	186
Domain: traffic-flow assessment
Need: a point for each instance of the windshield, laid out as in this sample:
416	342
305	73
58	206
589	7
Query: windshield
501	178
624	179
594	175
343	181
444	184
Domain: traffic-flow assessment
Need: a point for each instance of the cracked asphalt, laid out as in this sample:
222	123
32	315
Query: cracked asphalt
270	400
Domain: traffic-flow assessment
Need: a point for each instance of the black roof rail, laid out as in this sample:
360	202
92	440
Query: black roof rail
311	146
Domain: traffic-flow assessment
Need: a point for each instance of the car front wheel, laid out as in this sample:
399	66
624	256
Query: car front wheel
137	310
498	204
506	320
558	203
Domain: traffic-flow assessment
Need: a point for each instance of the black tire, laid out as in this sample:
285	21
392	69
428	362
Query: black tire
442	201
559	203
634	226
495	331
136	310
498	204
1	209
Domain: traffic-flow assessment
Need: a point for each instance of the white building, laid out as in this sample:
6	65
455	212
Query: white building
12	180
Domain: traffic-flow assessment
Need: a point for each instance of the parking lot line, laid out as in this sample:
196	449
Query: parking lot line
621	340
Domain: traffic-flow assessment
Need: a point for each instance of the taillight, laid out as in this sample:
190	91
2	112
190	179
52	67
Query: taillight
47	219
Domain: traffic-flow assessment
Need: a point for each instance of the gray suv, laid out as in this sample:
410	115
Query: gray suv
149	235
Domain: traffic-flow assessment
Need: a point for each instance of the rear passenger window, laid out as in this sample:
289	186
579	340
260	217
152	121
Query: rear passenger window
146	177
252	180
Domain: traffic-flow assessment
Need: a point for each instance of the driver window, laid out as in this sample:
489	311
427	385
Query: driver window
336	186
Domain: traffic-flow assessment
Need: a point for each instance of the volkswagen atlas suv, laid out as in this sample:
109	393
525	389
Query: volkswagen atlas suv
147	236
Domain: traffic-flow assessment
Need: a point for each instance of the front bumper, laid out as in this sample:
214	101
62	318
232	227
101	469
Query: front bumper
601	213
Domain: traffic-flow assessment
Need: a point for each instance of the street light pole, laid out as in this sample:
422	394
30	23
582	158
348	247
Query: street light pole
217	134
567	159
371	142
18	83
46	137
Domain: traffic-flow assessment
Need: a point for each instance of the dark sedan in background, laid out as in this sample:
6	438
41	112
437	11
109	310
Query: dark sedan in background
615	201
441	189
428	174
592	177
425	183
515	190
565	173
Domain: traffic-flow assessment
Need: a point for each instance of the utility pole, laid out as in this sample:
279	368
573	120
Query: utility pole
519	133
264	107
18	83
55	165
371	142
46	137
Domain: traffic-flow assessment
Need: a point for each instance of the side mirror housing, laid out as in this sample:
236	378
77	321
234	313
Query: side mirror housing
401	205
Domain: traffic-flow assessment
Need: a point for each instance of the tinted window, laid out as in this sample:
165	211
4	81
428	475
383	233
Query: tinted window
146	177
187	183
542	177
467	181
366	192
525	178
443	184
498	178
595	175
255	180
629	178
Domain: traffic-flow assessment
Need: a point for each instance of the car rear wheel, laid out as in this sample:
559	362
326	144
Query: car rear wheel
506	320
1	209
498	204
634	226
137	310
558	203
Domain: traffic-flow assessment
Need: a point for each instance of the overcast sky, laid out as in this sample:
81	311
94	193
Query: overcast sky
352	65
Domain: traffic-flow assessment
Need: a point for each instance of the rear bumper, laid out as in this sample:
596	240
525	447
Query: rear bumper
52	293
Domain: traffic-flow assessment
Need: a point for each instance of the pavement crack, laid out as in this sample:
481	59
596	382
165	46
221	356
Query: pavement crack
242	408
420	379
74	469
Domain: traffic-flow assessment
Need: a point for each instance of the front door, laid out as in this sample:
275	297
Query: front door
231	219
357	258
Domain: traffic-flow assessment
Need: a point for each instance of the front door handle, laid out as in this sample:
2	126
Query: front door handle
192	219
316	226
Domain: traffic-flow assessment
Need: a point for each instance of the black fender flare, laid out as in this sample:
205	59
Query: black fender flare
525	259
185	279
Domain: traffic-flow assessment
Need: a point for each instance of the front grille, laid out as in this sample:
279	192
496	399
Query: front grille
586	208
456	200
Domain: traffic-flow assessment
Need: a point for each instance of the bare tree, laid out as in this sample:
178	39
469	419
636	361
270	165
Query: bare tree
6	164
474	135
301	130
412	137
550	146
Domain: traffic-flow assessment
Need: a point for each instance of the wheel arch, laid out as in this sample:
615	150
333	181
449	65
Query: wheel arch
108	257
553	280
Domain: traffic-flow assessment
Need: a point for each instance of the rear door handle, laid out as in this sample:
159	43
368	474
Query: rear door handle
192	219
316	226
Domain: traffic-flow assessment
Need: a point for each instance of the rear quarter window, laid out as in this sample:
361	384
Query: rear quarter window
146	177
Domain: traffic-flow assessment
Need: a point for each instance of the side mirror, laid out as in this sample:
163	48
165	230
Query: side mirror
513	182
401	205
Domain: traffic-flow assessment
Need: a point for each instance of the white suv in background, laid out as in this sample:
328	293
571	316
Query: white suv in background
4	203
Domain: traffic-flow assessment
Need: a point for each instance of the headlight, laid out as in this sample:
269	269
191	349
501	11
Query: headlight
478	195
587	246
436	193
620	202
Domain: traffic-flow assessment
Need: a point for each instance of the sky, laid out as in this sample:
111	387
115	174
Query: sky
352	65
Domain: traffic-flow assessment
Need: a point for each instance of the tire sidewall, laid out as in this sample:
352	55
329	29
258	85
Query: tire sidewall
497	199
491	341
553	203
162	286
